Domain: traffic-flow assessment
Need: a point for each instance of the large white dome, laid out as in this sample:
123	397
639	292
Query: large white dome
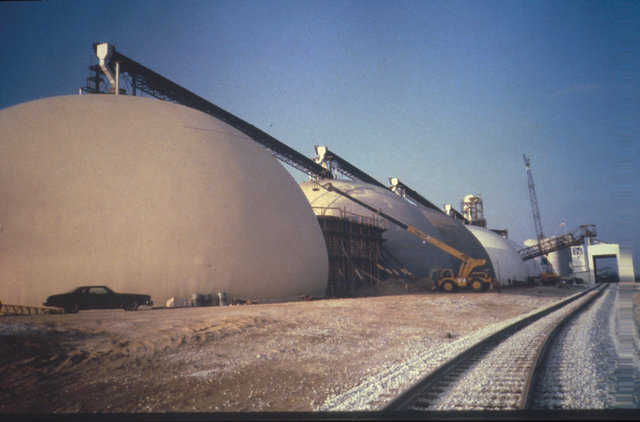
419	258
149	197
506	260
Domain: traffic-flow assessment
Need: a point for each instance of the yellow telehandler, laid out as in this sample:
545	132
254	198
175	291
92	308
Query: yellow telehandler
446	280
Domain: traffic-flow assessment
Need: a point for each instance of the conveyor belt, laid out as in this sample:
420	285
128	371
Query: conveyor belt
156	85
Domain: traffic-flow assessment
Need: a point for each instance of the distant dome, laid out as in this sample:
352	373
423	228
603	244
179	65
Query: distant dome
505	258
419	258
146	196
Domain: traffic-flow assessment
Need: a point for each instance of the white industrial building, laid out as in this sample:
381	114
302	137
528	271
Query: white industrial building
584	260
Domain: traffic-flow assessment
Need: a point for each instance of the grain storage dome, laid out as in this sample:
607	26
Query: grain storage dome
147	196
506	260
419	258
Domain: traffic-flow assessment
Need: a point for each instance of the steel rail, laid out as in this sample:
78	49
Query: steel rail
454	368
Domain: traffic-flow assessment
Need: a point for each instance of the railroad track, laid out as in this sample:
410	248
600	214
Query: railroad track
493	369
497	373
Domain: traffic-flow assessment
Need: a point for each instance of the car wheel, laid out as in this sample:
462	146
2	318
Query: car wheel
72	309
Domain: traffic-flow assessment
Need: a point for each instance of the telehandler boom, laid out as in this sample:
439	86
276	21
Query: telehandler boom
466	277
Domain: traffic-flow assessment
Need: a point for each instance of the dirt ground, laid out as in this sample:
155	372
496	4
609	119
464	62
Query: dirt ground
270	357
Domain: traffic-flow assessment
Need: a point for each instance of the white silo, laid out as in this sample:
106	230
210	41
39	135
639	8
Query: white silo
473	210
147	196
559	261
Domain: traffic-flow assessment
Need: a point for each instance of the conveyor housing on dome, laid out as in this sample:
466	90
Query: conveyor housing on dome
333	162
406	192
143	79
153	84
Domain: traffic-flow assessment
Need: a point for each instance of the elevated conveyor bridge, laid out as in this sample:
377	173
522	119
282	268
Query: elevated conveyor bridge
406	192
555	243
144	80
334	163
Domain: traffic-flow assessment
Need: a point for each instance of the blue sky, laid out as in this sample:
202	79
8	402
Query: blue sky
445	95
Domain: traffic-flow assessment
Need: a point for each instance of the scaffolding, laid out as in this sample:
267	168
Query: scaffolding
354	247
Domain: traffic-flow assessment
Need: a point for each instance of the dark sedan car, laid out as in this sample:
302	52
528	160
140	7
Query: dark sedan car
97	297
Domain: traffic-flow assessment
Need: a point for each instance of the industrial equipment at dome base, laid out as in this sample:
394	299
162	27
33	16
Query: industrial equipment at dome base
446	280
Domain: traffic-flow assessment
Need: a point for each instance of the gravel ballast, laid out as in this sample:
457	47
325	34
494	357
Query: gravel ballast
293	356
579	372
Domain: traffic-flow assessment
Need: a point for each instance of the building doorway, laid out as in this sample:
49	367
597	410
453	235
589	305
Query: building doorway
605	268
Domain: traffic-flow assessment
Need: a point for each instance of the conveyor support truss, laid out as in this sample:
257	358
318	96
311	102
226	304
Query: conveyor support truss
555	243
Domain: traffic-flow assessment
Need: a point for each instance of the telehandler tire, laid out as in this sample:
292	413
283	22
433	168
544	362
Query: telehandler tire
477	286
448	286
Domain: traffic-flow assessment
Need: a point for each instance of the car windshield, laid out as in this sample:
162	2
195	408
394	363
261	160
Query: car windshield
97	290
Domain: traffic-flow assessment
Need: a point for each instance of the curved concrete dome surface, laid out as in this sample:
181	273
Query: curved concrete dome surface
505	258
150	197
420	259
456	235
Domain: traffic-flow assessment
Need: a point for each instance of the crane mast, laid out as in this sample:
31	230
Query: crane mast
547	245
537	222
